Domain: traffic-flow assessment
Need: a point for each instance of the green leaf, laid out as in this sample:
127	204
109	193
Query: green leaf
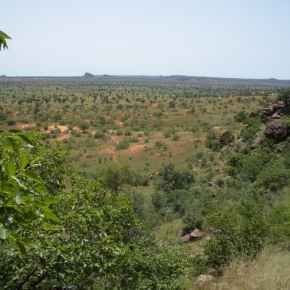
12	143
10	190
21	247
32	175
4	35
23	161
11	169
51	200
48	227
7	154
4	233
39	204
49	214
34	160
30	141
41	189
19	182
29	215
18	199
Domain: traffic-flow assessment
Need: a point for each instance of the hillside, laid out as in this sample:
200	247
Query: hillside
110	179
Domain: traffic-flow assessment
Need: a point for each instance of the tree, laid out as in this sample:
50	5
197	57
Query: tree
3	37
23	195
117	177
284	95
172	179
242	233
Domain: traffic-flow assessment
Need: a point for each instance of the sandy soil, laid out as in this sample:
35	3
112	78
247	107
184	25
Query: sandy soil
23	126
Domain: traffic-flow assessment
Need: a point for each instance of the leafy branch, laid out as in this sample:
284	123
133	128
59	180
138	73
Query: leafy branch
3	37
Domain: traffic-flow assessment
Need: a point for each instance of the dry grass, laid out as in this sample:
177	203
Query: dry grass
269	271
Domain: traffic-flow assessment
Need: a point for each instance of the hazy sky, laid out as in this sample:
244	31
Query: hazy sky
217	38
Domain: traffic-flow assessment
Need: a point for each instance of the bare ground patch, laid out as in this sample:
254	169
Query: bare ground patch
23	126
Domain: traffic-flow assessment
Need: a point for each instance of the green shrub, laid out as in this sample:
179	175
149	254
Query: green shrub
176	137
124	144
243	232
99	135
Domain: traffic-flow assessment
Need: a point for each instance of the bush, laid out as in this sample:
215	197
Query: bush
243	233
241	117
172	179
124	144
99	135
176	137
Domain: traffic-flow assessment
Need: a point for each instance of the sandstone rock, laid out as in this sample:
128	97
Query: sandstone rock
277	110
204	279
277	106
267	112
276	116
185	238
276	130
196	234
209	239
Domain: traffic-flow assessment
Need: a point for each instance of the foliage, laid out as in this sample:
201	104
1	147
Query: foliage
249	132
284	95
3	37
274	176
94	231
115	178
172	179
123	144
241	117
243	232
24	196
279	221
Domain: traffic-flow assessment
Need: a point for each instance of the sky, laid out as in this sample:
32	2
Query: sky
213	38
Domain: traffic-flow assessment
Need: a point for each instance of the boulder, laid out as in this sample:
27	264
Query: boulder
267	112
278	106
276	130
205	279
185	238
253	115
276	116
196	234
153	174
277	110
226	138
256	143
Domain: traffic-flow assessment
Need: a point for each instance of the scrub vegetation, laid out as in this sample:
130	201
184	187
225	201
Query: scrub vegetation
101	177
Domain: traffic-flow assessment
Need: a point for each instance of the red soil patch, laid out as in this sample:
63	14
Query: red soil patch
61	128
63	137
23	126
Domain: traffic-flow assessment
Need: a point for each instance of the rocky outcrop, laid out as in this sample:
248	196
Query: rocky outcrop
276	130
256	142
153	174
276	112
226	138
205	279
193	236
253	115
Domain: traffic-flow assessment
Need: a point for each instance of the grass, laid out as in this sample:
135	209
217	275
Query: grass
269	271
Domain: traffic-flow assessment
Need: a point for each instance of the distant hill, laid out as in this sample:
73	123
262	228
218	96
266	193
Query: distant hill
88	75
3	76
